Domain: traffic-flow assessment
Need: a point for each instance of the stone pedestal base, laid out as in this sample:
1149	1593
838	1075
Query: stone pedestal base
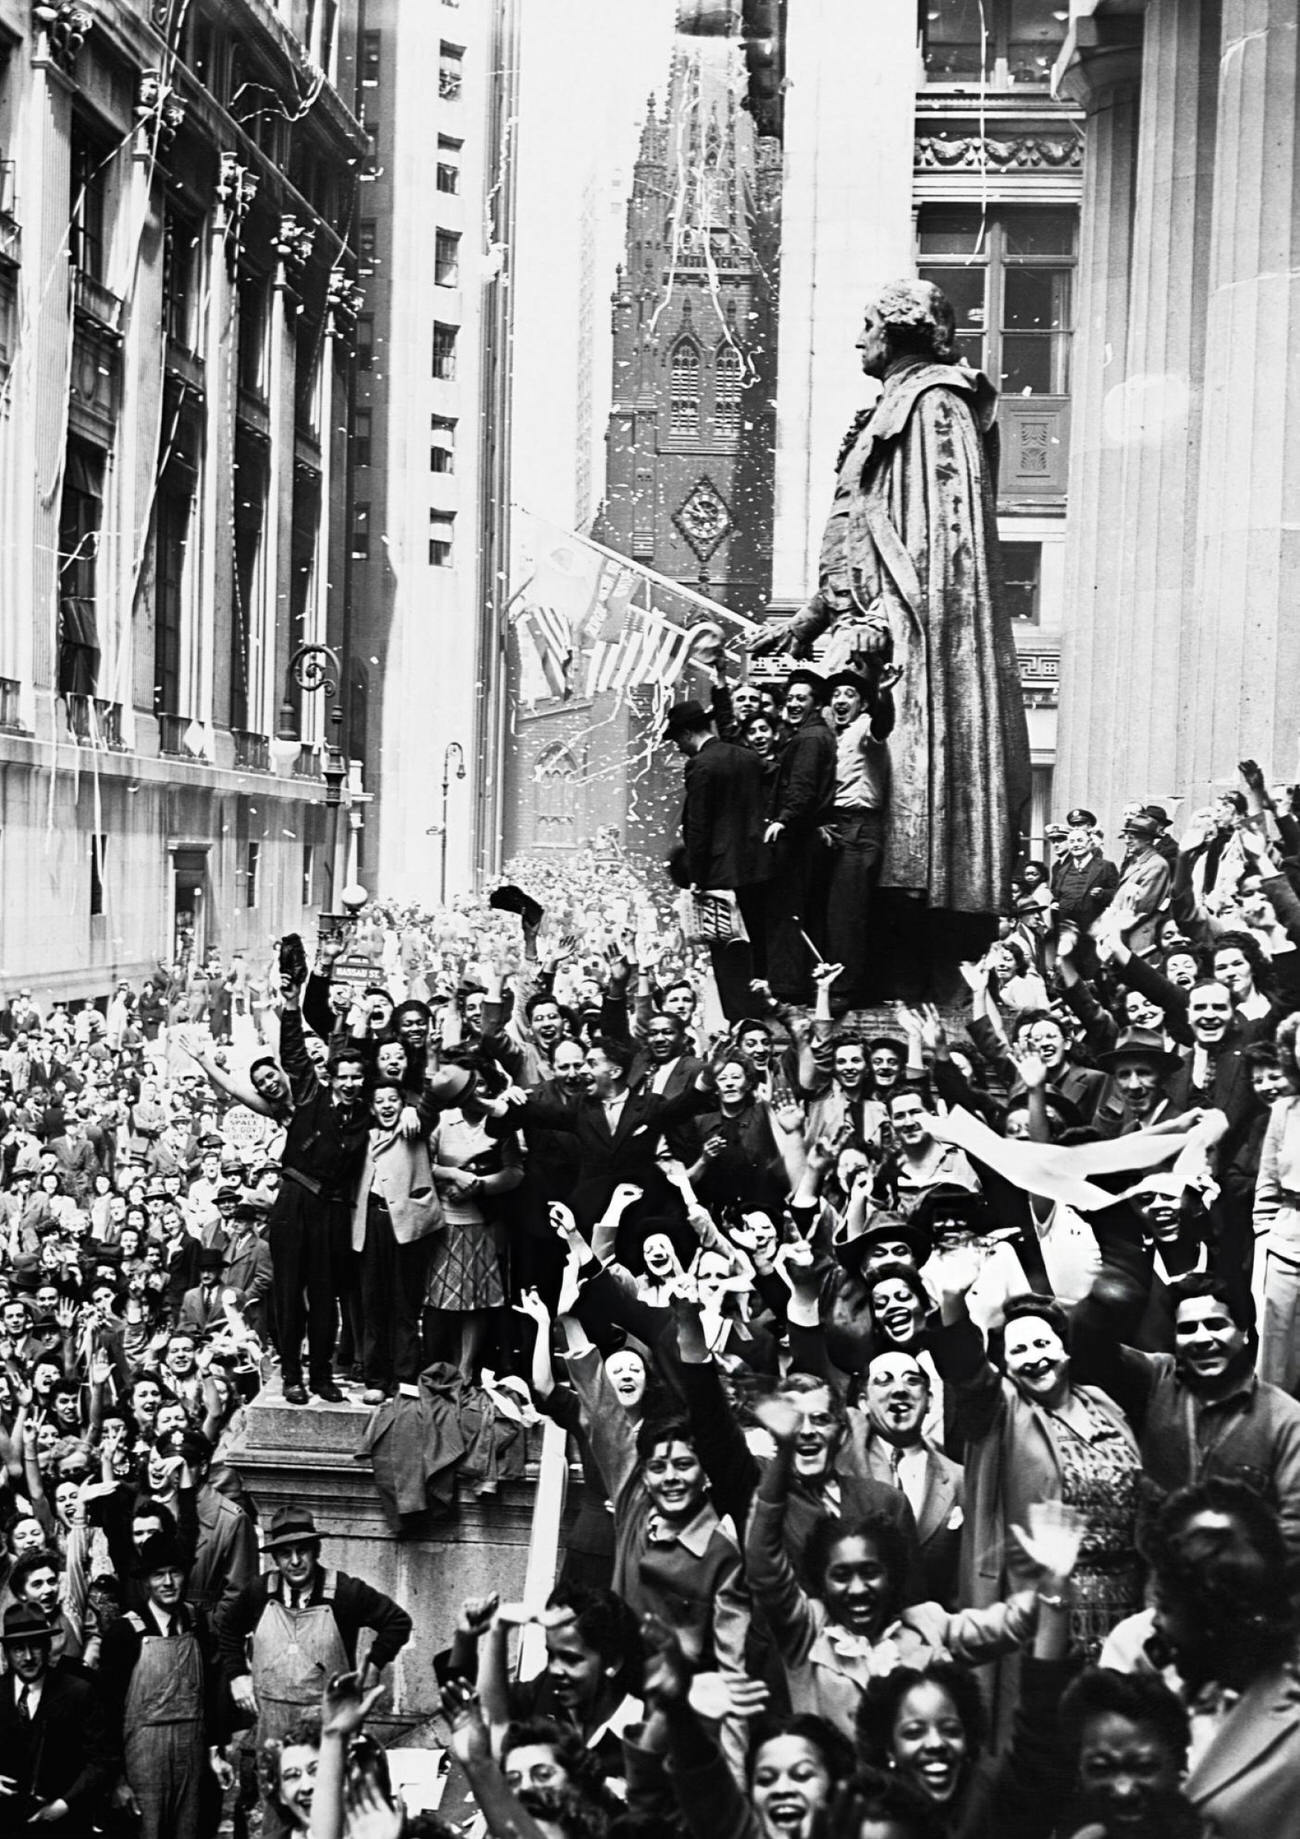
307	1456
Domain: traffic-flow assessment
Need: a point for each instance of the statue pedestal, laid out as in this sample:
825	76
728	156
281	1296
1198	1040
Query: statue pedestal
307	1456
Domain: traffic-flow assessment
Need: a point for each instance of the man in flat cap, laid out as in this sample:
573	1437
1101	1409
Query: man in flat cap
722	842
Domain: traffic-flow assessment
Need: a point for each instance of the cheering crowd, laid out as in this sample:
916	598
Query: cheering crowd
928	1380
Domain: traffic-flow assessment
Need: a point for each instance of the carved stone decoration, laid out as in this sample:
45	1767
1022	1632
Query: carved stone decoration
704	518
1020	153
159	112
63	28
294	242
236	190
343	302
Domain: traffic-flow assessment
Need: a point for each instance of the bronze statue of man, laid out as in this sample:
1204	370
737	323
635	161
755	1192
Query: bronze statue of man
909	568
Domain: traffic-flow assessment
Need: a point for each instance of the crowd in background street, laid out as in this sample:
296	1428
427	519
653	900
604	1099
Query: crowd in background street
928	1369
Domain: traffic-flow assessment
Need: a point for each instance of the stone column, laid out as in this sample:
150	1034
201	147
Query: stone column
1242	693
1152	418
846	227
1104	79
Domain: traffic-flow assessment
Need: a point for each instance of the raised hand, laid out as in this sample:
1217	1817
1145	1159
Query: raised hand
531	1305
562	1220
623	1196
344	1706
1033	1070
470	1743
667	1670
955	1270
825	974
779	1416
716	1696
974	975
570	1283
1053	1538
477	1614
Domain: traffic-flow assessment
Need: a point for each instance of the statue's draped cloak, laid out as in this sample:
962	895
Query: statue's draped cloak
912	538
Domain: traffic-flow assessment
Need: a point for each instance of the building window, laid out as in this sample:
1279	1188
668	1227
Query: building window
442	450
98	870
1004	44
367	238
88	202
451	70
1021	580
250	517
444	352
727	378
684	409
254	303
252	864
171	537
370	55
81	512
360	532
328	23
308	875
1009	274
365	341
449	164
446	258
181	247
361	427
442	525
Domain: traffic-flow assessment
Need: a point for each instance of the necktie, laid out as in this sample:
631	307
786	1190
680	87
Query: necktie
895	1463
24	1705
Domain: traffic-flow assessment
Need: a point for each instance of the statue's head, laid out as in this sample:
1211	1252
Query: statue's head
906	319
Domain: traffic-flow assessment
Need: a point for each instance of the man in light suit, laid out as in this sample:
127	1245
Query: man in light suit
898	1398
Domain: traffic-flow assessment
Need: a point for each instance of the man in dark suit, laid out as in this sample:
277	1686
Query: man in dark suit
1216	1072
1083	881
616	1129
722	839
54	1744
803	797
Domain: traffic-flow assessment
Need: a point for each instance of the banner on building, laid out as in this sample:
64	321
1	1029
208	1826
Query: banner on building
590	622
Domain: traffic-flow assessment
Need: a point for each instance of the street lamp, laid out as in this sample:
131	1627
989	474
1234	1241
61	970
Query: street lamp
452	747
316	669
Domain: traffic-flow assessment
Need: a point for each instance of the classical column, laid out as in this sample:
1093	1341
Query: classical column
1243	677
846	227
1153	417
1104	79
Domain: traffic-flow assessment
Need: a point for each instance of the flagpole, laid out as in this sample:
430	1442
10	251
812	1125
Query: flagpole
646	574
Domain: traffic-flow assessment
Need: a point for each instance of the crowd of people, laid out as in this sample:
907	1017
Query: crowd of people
928	1375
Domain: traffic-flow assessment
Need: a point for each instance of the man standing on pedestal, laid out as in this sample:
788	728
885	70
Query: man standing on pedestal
722	839
862	716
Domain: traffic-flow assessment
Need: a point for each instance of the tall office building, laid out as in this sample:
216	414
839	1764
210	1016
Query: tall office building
430	511
176	319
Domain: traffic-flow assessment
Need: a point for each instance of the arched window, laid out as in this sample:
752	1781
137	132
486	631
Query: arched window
727	371
557	781
685	394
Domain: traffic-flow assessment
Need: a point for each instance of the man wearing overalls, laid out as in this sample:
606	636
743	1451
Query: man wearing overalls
166	1697
304	1621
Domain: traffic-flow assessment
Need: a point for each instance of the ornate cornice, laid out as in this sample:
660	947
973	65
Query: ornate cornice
1015	153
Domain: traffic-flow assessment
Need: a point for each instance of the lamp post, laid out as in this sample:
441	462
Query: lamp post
316	669
452	747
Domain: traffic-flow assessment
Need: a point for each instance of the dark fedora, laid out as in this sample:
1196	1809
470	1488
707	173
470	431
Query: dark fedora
161	1551
1139	1044
24	1622
850	680
686	718
851	1248
630	1240
510	899
948	1204
289	1526
1140	824
814	679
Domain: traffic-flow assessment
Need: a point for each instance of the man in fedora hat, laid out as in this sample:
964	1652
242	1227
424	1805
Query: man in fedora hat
305	1620
56	1758
722	842
1140	1068
862	717
161	1679
1142	891
203	1309
803	795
